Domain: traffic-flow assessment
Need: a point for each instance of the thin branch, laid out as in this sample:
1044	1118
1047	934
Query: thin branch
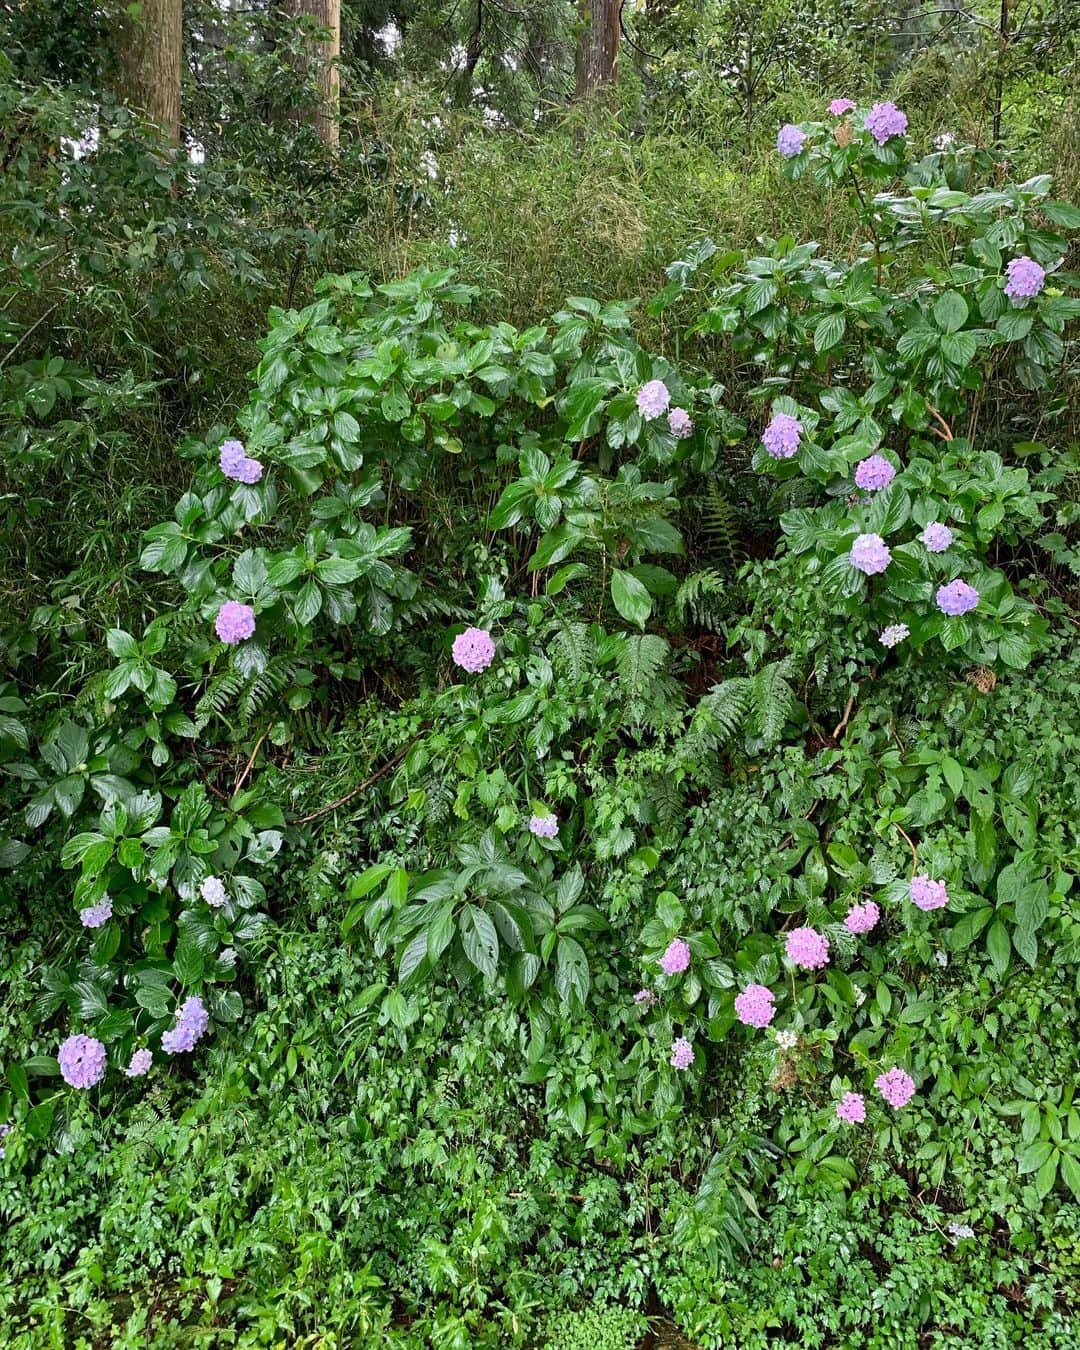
390	763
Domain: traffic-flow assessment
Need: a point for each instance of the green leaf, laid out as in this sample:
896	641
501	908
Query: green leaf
188	964
122	645
999	947
630	597
480	940
828	331
571	972
950	312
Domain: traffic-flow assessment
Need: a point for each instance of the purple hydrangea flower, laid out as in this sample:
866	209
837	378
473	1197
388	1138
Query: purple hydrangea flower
1026	279
236	465
839	106
192	1020
653	399
544	827
5	1130
677	957
851	1108
213	892
790	140
249	471
896	1087
936	538
957	598
928	894
82	1061
754	1006
141	1062
644	998
807	948
893	634
473	650
884	121
861	918
235	622
874	473
870	554
682	1053
781	437
679	423
93	916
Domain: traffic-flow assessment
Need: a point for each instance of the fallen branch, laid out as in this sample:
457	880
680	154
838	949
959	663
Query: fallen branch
355	792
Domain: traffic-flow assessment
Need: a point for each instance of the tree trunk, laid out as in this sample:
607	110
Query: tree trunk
597	55
325	53
149	42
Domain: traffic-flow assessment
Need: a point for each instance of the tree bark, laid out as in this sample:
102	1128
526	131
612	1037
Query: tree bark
324	53
597	56
149	42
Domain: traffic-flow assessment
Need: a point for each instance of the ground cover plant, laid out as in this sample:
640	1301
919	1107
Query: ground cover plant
552	826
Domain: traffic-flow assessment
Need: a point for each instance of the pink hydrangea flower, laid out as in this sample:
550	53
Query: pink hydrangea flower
682	1053
870	554
235	622
957	598
679	423
644	998
861	918
936	538
141	1062
851	1108
754	1006
839	106
884	121
544	827
473	650
895	633
1026	279
874	473
807	948
82	1061
781	437
677	957
790	140
928	894
896	1087
93	916
653	399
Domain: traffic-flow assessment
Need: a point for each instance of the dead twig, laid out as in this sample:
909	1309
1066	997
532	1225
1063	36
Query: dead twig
355	792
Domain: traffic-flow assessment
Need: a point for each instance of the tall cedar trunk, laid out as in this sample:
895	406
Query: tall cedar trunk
149	42
597	53
325	53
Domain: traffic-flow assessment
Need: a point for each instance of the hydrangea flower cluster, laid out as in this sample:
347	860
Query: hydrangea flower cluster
5	1130
213	892
93	916
677	957
928	894
957	598
682	1053
807	948
961	1230
896	1087
754	1007
884	121
1026	279
235	622
851	1108
544	827
473	650
781	437
653	399
861	918
82	1061
141	1062
790	140
787	1040
192	1021
936	538
870	554
644	998
874	473
895	633
679	423
236	465
839	106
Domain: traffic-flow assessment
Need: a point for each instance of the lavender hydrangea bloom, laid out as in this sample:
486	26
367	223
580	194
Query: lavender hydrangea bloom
248	471
928	894
141	1062
236	465
884	121
93	916
192	1020
870	554
644	998
754	1006
235	622
936	538
82	1061
896	1087
807	948
677	957
679	423
790	140
544	827
839	106
5	1130
682	1053
874	473
957	598
473	650
1026	279
781	437
653	399
851	1108
213	892
861	918
894	634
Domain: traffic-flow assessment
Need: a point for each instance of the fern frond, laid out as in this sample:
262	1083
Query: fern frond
772	700
721	526
696	599
573	651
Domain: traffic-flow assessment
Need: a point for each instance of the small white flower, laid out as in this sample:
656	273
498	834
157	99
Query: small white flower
787	1040
860	996
942	958
961	1230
